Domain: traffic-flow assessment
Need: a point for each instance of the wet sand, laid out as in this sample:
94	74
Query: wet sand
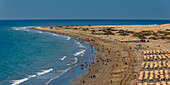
117	63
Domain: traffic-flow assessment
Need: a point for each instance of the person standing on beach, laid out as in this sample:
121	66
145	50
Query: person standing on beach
73	72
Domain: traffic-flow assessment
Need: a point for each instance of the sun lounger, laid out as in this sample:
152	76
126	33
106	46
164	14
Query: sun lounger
151	83
155	57
156	65
156	72
163	57
161	72
158	83
140	84
145	83
167	55
146	75
151	56
141	75
147	52
143	64
151	65
157	51
148	57
161	51
168	83
166	72
160	64
163	83
147	65
144	57
154	51
160	57
164	64
144	52
162	77
150	51
151	77
166	76
168	64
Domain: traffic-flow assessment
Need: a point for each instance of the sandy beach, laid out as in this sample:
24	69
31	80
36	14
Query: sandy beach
120	50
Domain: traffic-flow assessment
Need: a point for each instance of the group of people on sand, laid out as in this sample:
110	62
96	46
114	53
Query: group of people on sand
104	59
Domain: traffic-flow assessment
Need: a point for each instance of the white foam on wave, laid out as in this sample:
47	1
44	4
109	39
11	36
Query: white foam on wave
75	60
44	72
79	44
69	64
68	38
19	28
63	57
63	71
22	28
79	53
27	29
40	32
54	34
16	82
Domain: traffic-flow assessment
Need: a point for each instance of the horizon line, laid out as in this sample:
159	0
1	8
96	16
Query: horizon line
82	19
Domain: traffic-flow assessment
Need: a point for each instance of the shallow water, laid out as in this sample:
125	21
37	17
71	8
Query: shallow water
35	57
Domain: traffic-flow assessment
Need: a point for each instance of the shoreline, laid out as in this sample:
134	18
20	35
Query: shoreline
78	81
116	63
94	51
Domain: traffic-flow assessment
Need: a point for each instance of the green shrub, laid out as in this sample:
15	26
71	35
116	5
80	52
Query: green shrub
108	32
130	32
151	38
93	31
85	29
109	28
121	31
155	34
141	37
136	34
98	33
75	28
114	30
163	37
124	34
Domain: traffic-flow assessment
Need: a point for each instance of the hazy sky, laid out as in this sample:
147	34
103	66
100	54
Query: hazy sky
85	9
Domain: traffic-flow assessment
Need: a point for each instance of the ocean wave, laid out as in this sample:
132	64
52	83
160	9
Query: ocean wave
40	32
54	34
79	53
16	82
63	71
75	60
19	28
79	44
69	64
22	28
63	57
44	72
68	38
27	29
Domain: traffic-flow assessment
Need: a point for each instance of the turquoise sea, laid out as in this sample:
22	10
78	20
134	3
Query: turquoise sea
29	57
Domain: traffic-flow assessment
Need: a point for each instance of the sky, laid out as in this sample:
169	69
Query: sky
84	9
